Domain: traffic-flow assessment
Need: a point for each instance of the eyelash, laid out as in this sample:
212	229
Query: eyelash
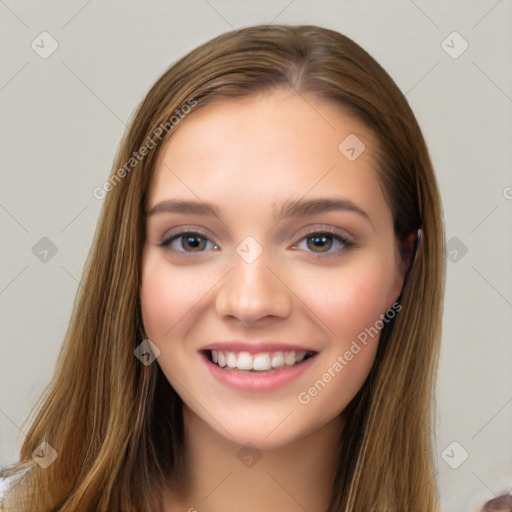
345	242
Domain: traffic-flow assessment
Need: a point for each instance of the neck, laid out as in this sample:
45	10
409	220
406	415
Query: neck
222	475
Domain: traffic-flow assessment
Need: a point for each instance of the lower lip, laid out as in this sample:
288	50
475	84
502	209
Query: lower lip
258	382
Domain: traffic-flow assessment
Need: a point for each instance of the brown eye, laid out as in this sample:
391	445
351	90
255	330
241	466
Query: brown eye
319	241
190	242
195	242
325	243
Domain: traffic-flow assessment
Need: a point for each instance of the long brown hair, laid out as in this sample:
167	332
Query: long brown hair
117	424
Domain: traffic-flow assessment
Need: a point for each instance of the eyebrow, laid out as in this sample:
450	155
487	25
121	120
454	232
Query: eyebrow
185	207
289	209
303	207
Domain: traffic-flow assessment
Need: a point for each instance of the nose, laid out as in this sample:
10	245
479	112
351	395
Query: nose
253	291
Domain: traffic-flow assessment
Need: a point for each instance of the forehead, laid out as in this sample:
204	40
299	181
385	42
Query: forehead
276	144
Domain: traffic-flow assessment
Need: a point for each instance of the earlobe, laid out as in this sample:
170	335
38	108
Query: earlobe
414	240
407	255
410	251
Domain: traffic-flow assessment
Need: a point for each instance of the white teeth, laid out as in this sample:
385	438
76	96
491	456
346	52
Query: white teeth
261	362
300	355
244	361
289	358
277	360
257	362
231	359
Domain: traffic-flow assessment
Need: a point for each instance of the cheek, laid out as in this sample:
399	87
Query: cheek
353	298
167	296
350	302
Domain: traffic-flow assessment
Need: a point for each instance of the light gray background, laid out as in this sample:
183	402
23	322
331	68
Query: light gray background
63	117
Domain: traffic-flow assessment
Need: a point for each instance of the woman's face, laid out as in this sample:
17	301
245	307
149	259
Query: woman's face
269	245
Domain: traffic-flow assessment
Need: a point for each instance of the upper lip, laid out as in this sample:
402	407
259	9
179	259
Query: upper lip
255	347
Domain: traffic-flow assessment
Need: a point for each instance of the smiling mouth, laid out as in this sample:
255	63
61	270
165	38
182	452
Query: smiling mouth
263	362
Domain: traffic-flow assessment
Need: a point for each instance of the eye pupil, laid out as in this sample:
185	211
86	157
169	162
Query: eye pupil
319	241
195	241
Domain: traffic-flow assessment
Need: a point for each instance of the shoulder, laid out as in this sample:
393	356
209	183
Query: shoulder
5	483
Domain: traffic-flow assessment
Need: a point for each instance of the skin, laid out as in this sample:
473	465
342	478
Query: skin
249	156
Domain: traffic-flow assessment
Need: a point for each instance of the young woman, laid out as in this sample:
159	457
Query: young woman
259	323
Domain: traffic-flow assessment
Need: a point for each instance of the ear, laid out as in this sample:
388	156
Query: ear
406	255
410	248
